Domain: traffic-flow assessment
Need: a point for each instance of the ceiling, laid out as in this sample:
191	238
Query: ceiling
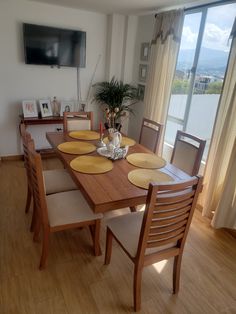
121	6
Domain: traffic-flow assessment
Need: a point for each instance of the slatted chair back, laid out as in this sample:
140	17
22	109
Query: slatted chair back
37	182
26	138
167	216
150	134
75	121
22	129
187	152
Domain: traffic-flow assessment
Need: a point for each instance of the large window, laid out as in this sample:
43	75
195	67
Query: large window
200	71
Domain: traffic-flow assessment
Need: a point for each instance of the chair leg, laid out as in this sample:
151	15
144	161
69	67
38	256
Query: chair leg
95	233
28	200
137	287
44	249
108	247
34	219
176	273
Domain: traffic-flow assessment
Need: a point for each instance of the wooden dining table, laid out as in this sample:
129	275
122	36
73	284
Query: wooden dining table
110	190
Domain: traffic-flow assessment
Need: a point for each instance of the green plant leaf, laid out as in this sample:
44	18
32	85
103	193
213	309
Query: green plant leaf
116	94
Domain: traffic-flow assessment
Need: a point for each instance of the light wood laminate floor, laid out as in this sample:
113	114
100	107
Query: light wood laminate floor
76	282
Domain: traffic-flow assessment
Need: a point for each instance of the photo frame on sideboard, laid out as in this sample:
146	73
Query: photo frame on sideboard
145	51
141	91
45	108
67	106
29	109
143	69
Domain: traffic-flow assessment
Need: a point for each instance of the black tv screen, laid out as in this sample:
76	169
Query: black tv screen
54	46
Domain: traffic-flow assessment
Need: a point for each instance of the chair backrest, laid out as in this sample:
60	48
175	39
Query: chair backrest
26	139
74	121
150	134
37	182
22	129
187	152
168	214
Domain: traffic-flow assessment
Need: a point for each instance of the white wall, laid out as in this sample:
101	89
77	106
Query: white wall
121	41
21	82
115	40
144	34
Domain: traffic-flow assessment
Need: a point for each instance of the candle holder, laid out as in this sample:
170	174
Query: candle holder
100	143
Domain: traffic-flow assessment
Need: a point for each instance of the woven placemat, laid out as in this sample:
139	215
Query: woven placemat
145	160
85	135
142	177
125	141
91	164
76	148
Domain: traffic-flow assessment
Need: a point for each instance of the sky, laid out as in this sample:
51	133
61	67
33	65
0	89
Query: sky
218	27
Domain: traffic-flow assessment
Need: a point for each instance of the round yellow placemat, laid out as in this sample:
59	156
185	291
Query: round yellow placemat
125	141
85	135
145	160
76	148
91	164
142	177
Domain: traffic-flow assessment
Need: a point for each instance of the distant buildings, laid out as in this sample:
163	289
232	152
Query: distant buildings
202	82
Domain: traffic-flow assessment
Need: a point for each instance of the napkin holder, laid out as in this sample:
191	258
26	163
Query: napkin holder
119	153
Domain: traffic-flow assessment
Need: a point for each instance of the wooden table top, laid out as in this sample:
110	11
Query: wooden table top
111	190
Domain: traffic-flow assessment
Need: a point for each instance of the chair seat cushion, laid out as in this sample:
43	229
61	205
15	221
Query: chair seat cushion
58	180
68	208
126	229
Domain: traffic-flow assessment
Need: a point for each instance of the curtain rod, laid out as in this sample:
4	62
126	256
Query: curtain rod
208	5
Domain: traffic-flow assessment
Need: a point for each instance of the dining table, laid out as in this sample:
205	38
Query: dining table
111	190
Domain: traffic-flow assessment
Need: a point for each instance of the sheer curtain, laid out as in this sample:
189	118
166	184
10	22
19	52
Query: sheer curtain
220	174
164	52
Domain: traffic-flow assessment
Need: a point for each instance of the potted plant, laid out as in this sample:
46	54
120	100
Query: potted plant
116	99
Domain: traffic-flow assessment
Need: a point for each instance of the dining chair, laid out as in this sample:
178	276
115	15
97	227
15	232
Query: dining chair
56	180
75	121
159	232
150	134
59	211
187	152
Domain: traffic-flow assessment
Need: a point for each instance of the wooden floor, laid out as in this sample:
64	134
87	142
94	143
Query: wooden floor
77	282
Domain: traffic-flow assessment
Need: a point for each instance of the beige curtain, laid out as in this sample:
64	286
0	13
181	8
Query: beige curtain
220	174
164	52
225	215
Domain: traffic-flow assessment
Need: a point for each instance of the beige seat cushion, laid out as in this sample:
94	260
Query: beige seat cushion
58	180
126	229
68	208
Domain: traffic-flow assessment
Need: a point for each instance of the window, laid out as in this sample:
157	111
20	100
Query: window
200	71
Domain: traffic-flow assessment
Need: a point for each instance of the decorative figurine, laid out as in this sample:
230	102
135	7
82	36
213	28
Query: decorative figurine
55	107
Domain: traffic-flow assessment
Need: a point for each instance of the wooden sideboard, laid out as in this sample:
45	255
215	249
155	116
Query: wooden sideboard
38	127
38	121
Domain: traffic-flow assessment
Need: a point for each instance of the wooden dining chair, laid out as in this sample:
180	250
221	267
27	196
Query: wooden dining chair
187	152
59	211
159	232
74	121
150	134
56	180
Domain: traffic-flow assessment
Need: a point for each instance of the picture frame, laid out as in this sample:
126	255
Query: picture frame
67	105
143	69
145	51
29	109
141	91
45	108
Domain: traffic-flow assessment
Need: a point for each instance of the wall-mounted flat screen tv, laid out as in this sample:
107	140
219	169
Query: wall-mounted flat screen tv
54	46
